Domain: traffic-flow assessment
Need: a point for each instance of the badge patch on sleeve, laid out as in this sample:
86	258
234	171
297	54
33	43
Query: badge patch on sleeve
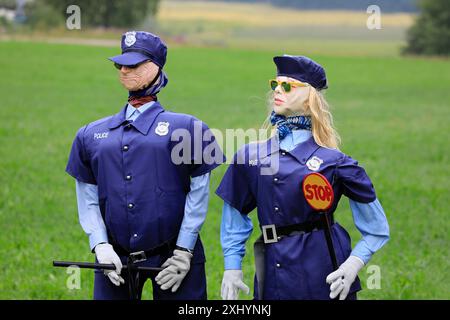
314	163
162	129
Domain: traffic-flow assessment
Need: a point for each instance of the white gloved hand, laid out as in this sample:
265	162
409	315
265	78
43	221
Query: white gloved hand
231	283
342	278
106	254
176	268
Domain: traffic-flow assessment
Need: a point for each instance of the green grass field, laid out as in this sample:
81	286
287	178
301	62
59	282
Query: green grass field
391	112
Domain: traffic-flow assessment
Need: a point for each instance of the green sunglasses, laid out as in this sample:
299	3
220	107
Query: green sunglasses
286	85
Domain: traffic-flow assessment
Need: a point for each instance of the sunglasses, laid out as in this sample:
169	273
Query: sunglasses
286	85
133	66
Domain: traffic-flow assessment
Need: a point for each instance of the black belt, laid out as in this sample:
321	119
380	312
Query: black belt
272	233
140	256
134	283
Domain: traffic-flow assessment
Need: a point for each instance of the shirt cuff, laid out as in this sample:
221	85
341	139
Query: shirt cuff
362	252
187	239
97	237
233	262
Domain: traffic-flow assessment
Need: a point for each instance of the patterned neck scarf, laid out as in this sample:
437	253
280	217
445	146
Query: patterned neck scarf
285	125
152	89
139	101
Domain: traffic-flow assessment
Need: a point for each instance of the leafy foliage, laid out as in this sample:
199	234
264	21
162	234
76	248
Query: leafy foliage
430	35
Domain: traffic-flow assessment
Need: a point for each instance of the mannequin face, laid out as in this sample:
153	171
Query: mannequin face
134	79
292	103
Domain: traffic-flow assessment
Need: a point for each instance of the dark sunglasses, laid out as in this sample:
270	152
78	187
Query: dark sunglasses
286	85
133	66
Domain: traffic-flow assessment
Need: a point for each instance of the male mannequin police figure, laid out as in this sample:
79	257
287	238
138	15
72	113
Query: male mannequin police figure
131	196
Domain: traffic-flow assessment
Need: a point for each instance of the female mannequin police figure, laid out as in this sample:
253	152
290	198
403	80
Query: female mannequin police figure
131	196
296	264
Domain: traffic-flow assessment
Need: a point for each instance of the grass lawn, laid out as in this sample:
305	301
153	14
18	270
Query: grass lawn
391	112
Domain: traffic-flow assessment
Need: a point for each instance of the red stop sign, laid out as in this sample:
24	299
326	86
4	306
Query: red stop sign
318	191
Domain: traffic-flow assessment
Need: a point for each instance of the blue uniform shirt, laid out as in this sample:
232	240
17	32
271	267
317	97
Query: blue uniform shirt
369	219
295	266
141	191
194	213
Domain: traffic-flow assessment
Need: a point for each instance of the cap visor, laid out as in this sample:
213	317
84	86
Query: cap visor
129	58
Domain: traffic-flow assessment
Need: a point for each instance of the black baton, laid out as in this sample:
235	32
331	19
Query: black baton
327	231
89	265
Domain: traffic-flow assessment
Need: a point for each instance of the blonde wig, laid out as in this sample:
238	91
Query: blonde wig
318	108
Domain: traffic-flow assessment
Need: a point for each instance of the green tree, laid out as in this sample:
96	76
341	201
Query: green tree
8	4
106	13
430	35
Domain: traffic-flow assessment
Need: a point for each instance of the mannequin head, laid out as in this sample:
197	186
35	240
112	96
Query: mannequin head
292	103
304	100
139	77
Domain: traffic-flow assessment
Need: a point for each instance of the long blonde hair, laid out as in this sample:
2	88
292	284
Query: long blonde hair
318	108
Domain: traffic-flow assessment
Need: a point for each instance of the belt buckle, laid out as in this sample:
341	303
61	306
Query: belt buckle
274	233
138	256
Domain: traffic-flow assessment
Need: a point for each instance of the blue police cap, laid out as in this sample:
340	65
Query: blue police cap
303	69
138	46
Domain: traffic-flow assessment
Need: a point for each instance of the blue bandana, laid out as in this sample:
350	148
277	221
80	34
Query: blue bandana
285	125
152	89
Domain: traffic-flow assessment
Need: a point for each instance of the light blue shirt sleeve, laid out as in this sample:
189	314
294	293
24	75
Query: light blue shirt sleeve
235	230
89	214
370	220
194	211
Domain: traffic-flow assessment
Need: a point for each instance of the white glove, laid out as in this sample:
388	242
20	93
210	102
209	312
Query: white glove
231	283
176	268
342	278
106	254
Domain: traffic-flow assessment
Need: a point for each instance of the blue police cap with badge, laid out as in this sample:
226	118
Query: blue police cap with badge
303	69
139	46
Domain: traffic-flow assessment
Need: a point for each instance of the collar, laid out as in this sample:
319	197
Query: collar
142	123
131	110
295	137
302	152
300	135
